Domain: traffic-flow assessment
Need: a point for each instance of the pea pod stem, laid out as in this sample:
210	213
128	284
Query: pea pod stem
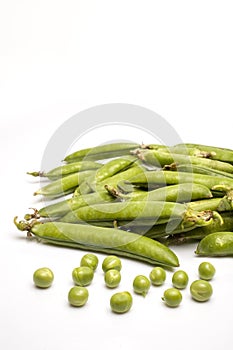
101	239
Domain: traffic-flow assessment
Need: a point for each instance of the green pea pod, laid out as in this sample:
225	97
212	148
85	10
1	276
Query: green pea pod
198	170
175	193
165	177
160	159
139	213
106	151
67	183
218	153
63	207
216	244
200	232
106	240
67	169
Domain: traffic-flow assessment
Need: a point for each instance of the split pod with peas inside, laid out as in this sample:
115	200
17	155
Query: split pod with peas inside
106	240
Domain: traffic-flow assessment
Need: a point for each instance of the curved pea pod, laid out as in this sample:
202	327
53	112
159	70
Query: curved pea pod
100	239
106	151
160	159
67	169
216	244
65	184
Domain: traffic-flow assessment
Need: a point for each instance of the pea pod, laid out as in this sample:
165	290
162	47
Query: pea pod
216	244
198	170
106	151
153	212
219	153
200	232
60	186
108	170
61	208
67	169
174	193
165	177
160	159
106	240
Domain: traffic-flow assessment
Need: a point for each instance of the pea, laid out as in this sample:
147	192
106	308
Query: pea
43	277
112	278
141	285
157	276
172	297
121	302
90	260
201	290
180	279
78	296
111	262
82	276
206	271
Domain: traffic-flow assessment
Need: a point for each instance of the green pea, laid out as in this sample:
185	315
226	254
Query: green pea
141	285
206	271
111	262
172	297
180	279
43	277
157	276
121	302
90	260
112	278
78	296
82	276
201	290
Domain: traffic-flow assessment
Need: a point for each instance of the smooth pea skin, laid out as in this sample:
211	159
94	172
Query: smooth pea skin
43	277
172	297
78	296
112	278
157	276
201	290
90	260
111	262
121	302
141	285
83	275
206	270
180	279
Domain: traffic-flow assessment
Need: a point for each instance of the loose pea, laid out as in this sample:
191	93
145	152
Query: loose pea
90	260
111	262
141	285
206	271
180	279
112	278
201	290
121	302
157	276
172	297
78	296
82	276
43	277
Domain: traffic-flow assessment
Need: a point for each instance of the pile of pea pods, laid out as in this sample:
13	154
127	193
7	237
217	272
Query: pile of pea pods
137	201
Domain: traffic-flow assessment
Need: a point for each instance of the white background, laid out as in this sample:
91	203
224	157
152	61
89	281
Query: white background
58	58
